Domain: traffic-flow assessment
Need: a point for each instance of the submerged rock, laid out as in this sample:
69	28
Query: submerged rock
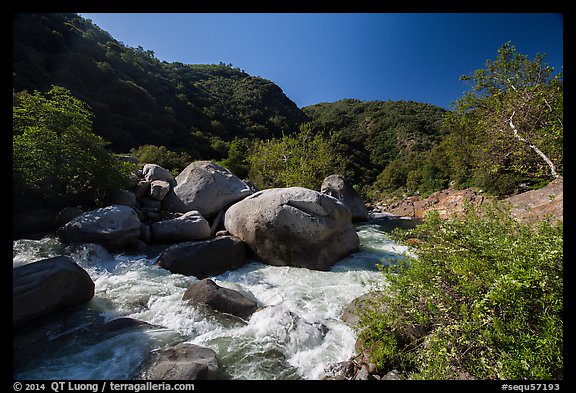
220	299
204	258
294	227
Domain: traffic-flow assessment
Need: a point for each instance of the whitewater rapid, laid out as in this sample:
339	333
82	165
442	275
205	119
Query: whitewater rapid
297	332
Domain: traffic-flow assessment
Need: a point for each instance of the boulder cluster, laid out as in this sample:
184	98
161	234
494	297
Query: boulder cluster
209	222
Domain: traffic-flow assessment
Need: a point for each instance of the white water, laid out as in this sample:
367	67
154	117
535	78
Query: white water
297	333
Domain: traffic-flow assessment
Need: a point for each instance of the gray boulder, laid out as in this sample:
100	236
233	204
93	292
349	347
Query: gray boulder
204	258
185	362
115	227
220	299
189	226
159	189
49	285
337	187
153	172
206	187
294	227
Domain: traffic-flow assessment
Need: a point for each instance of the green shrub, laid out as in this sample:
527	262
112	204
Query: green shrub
481	297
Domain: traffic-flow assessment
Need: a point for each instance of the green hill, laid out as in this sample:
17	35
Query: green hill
138	99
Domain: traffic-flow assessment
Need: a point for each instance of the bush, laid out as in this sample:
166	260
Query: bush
57	160
302	160
482	298
160	155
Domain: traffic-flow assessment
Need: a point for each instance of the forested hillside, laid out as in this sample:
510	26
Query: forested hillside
376	134
138	99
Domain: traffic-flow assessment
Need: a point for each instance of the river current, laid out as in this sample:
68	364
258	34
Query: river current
296	334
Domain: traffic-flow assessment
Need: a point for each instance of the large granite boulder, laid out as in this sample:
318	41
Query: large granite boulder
205	187
221	299
185	362
337	187
204	258
49	285
189	226
115	227
294	227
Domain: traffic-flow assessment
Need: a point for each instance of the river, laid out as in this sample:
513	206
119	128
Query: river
296	334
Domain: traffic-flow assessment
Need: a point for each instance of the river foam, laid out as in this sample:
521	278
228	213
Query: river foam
296	333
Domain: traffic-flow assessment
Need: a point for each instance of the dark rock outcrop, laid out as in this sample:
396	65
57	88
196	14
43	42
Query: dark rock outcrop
204	258
49	285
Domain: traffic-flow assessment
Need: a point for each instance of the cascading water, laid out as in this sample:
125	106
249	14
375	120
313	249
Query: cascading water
296	334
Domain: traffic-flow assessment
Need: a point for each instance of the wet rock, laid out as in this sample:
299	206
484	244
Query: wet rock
46	286
189	226
185	362
204	258
220	299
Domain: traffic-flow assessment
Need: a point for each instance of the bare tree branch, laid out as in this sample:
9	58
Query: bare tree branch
533	147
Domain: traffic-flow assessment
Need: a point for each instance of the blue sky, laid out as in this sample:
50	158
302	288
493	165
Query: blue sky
325	57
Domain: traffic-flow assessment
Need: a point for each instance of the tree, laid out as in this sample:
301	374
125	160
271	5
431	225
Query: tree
56	156
518	104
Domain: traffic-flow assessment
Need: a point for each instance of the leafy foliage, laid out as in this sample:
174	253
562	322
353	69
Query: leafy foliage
508	128
302	160
481	298
160	155
56	157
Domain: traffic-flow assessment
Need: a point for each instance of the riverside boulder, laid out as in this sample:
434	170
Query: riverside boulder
48	285
337	187
205	187
294	227
115	227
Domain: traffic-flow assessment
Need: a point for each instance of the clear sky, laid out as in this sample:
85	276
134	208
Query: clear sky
325	57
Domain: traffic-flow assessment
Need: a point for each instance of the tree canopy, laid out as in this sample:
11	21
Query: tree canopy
57	159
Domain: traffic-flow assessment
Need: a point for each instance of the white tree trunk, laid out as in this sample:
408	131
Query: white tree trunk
534	148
